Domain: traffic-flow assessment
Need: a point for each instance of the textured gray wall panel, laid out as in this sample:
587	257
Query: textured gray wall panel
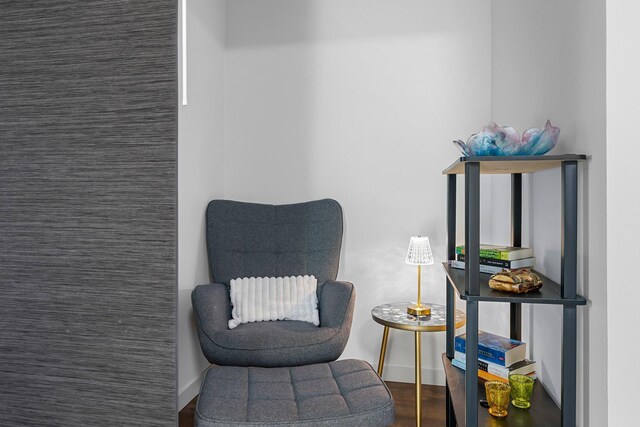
87	212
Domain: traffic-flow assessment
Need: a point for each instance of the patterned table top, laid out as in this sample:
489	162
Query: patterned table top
395	316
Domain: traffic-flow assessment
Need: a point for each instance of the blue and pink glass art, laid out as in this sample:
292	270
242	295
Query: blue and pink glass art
494	140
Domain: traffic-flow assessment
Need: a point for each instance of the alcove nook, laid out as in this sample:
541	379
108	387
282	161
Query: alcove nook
359	101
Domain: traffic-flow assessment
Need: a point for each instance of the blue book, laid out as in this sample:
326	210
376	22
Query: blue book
494	348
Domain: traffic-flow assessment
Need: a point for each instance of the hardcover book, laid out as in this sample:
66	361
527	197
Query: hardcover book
507	253
490	269
486	375
524	367
494	348
511	265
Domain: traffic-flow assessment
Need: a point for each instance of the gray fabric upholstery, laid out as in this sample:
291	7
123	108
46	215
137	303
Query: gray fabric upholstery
270	344
336	394
256	240
248	239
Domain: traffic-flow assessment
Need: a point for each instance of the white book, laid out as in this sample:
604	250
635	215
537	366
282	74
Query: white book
523	367
483	268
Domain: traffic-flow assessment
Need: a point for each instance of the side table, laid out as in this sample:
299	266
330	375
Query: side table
395	316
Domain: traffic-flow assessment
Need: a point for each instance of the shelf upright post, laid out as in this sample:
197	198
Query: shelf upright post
450	415
472	286
516	241
569	271
451	253
451	297
472	228
569	267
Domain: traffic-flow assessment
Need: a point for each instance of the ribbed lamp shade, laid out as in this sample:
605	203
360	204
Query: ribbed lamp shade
419	252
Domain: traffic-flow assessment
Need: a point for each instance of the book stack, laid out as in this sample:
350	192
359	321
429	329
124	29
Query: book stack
493	259
498	357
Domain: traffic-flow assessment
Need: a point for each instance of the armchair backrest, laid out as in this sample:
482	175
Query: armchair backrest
258	240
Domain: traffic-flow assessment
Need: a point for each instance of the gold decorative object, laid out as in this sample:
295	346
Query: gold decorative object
515	281
419	254
498	397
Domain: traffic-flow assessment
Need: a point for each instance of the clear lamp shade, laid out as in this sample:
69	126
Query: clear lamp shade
419	252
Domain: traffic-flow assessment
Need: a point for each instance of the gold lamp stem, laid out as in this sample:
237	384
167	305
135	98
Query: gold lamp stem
418	309
419	274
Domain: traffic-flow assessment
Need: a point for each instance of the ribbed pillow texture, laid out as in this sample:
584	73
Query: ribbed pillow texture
258	299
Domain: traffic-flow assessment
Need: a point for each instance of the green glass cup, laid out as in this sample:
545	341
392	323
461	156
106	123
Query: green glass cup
497	397
521	389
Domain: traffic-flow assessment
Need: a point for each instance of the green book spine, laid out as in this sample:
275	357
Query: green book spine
485	253
505	253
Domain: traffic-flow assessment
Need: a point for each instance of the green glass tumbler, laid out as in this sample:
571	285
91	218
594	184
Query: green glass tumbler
497	397
521	389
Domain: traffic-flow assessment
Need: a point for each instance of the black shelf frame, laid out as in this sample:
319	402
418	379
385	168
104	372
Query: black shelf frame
550	293
543	412
472	286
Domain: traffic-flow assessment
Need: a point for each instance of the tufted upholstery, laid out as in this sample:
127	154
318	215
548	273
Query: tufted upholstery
256	240
248	239
343	393
270	344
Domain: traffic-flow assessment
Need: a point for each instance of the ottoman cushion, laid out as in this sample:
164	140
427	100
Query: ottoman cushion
342	393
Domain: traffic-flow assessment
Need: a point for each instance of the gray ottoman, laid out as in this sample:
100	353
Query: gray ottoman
342	393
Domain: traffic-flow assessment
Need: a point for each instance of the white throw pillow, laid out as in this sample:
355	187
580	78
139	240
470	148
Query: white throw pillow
258	299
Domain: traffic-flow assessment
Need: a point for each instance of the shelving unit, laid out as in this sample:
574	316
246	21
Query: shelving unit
463	388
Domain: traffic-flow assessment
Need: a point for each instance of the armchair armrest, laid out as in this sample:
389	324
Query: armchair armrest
336	303
211	306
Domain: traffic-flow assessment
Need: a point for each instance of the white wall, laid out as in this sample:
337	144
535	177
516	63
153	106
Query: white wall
200	173
623	208
548	63
359	100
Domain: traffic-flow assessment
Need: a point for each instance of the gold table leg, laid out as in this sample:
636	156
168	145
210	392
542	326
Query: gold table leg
383	350
418	381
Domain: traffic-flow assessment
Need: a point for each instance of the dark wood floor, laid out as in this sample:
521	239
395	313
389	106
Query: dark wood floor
433	401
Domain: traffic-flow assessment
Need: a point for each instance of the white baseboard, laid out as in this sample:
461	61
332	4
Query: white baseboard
187	394
406	374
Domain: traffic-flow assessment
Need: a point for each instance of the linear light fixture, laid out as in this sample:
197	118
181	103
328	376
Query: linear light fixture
184	52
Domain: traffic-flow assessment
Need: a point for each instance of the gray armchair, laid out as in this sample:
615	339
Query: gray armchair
256	240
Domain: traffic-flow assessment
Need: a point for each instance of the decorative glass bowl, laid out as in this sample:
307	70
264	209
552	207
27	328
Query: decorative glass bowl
494	140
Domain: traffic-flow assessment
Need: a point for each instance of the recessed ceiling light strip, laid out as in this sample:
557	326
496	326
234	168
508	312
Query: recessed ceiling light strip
184	52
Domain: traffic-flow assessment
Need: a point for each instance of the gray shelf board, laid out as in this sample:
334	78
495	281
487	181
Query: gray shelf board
548	294
544	411
512	164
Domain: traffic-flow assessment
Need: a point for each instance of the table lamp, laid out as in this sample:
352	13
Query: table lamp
419	254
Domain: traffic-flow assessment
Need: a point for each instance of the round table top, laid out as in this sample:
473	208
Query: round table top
394	315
